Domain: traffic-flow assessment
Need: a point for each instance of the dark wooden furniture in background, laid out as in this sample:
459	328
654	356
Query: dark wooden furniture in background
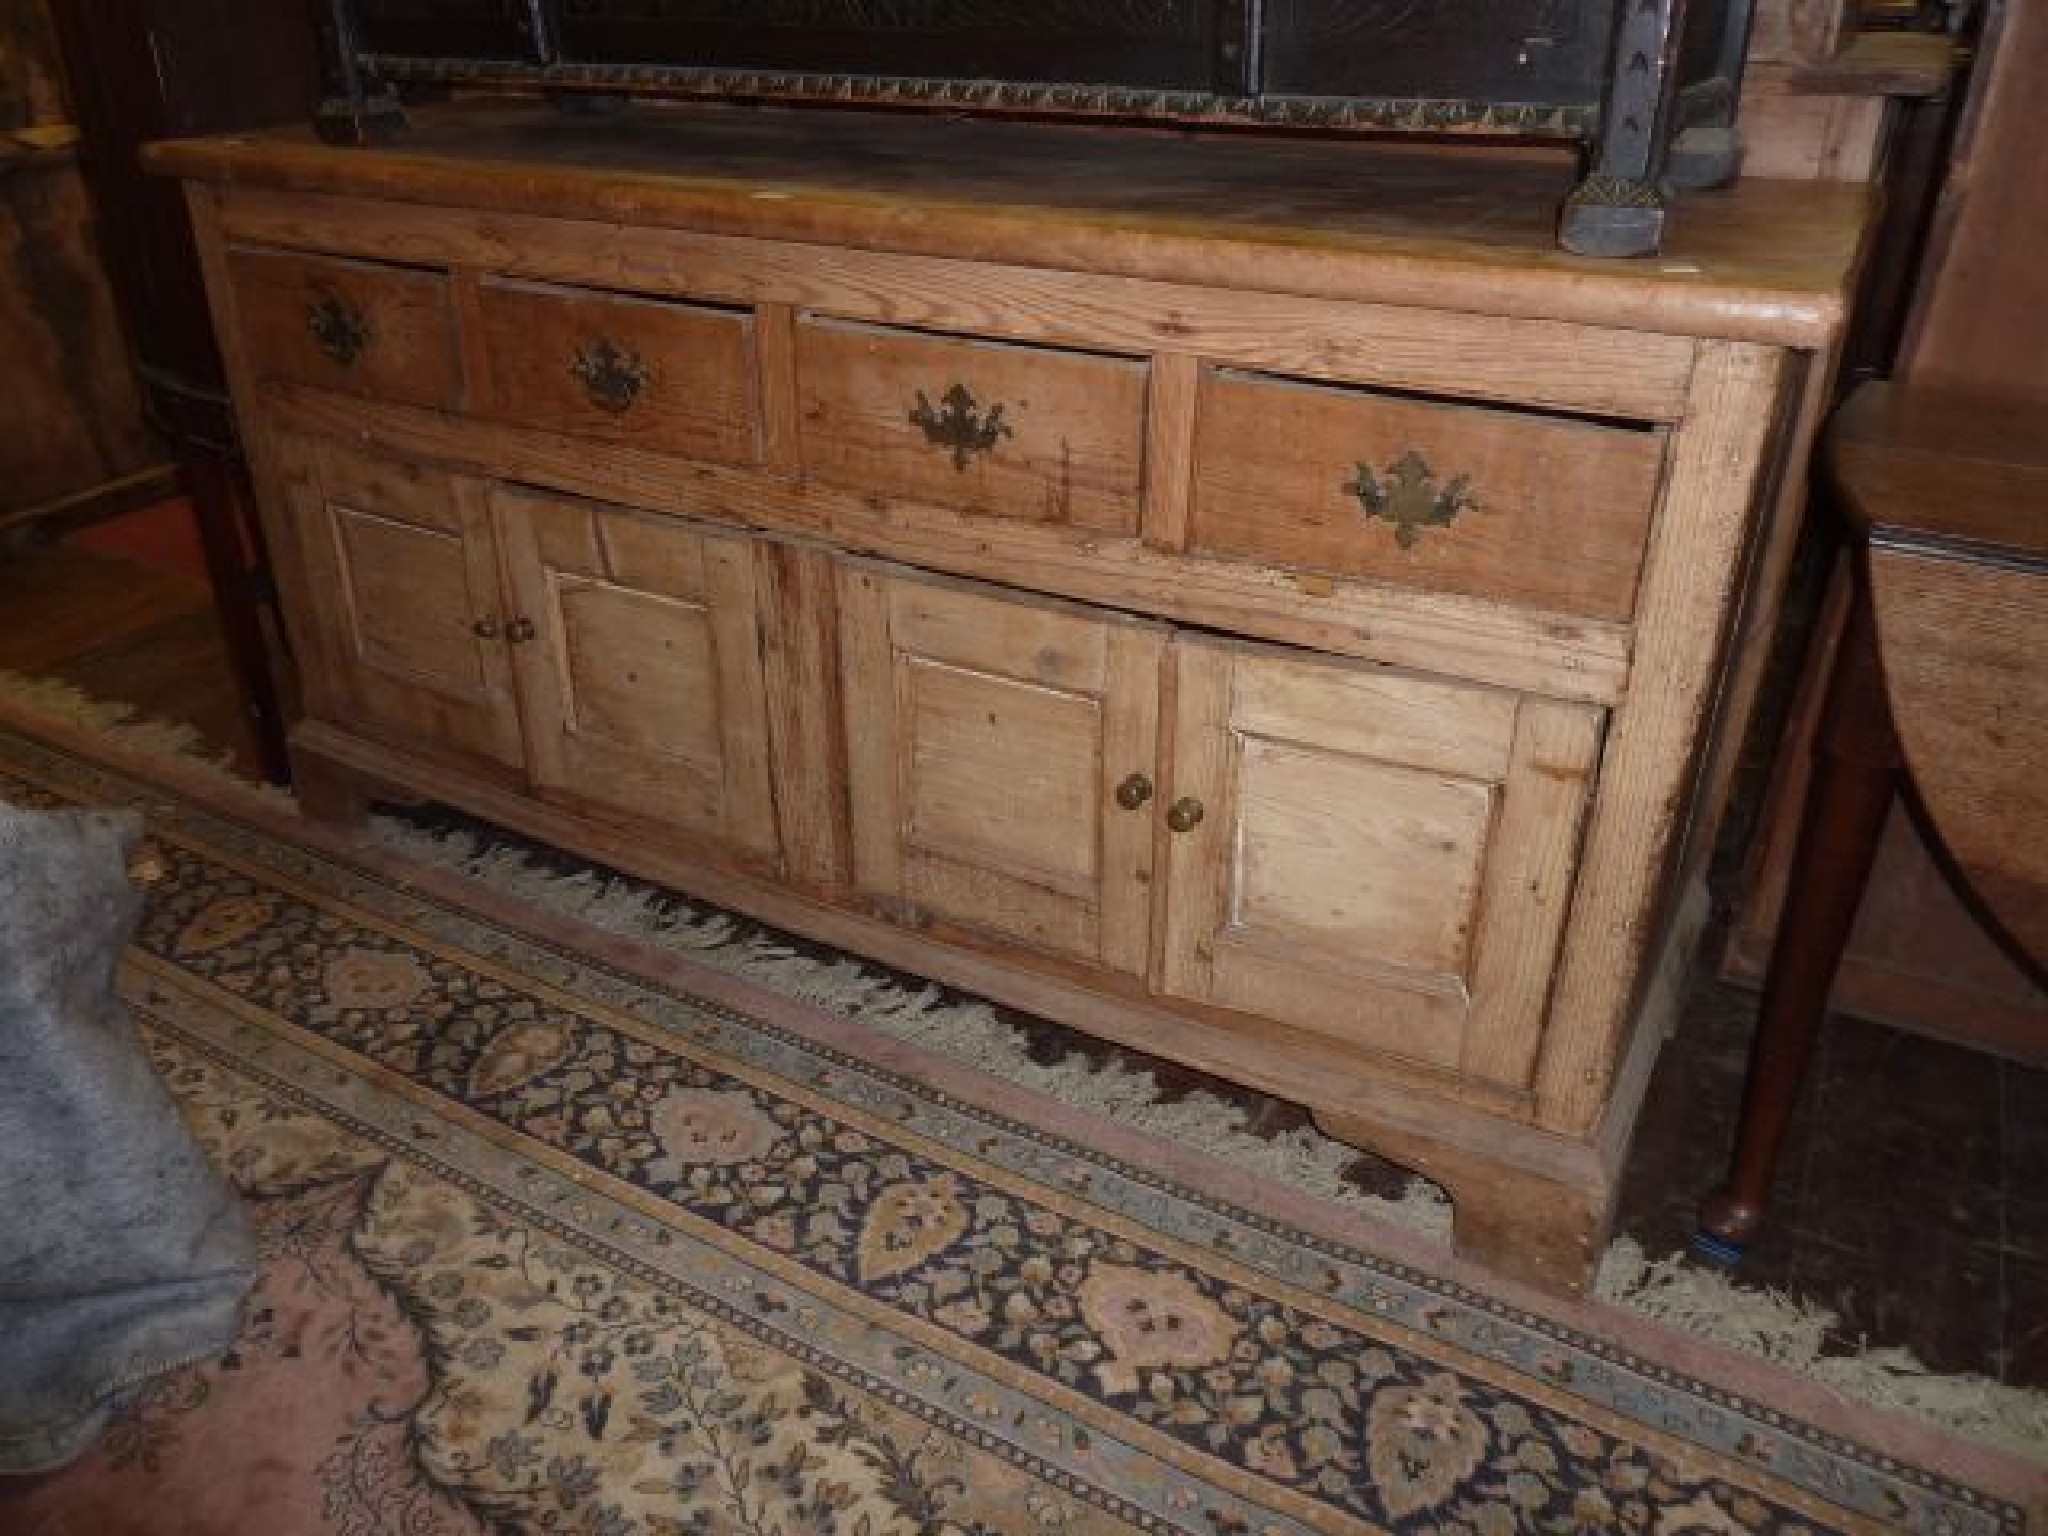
1981	325
73	441
1649	87
150	69
1936	681
1917	957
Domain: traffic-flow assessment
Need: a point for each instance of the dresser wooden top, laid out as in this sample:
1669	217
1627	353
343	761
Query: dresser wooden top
1468	229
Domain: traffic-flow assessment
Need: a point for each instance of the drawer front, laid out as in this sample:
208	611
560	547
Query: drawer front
987	427
676	378
1538	510
355	326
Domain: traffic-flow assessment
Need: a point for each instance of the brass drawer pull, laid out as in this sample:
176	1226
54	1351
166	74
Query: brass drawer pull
1185	814
612	375
340	330
960	426
519	631
1409	498
1134	792
485	629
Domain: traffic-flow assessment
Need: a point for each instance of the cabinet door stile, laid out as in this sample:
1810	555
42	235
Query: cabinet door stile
799	627
489	602
1198	861
1130	741
1530	878
868	686
732	592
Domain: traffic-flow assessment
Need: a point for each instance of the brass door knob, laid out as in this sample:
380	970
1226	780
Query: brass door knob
485	629
1134	792
519	631
1184	814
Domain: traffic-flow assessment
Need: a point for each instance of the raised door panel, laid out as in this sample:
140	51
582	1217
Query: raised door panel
639	666
1372	855
1000	753
405	603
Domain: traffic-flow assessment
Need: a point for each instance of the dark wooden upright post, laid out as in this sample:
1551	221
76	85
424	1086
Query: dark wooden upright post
151	69
1618	210
356	106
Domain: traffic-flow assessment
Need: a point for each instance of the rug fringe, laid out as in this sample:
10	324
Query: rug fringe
61	701
1761	1322
132	727
1800	1336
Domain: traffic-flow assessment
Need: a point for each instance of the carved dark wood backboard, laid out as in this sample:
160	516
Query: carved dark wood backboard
1164	44
1533	52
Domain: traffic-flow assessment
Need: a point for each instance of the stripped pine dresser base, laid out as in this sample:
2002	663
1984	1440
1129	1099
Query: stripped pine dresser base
1174	588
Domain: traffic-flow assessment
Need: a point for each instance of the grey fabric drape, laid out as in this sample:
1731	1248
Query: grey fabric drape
122	1253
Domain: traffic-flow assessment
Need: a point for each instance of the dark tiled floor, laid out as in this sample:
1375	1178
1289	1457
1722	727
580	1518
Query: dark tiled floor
1909	1194
1913	1199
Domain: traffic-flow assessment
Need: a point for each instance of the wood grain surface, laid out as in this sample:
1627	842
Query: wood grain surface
401	321
1762	260
1065	431
1540	511
684	373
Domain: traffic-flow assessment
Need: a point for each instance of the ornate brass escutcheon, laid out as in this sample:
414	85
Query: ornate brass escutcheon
1185	814
340	330
613	375
1134	792
959	426
1408	496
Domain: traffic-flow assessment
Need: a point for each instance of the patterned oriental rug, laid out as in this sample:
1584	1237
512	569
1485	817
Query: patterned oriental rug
562	1234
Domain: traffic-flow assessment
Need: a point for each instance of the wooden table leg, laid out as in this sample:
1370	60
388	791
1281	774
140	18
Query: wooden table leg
1856	774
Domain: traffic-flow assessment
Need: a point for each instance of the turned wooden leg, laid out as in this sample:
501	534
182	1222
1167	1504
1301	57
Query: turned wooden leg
1855	777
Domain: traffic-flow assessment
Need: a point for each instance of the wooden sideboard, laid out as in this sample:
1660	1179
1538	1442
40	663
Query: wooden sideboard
1254	600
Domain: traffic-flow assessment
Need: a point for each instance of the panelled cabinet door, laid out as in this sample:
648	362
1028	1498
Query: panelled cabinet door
403	598
1376	856
637	654
1000	757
